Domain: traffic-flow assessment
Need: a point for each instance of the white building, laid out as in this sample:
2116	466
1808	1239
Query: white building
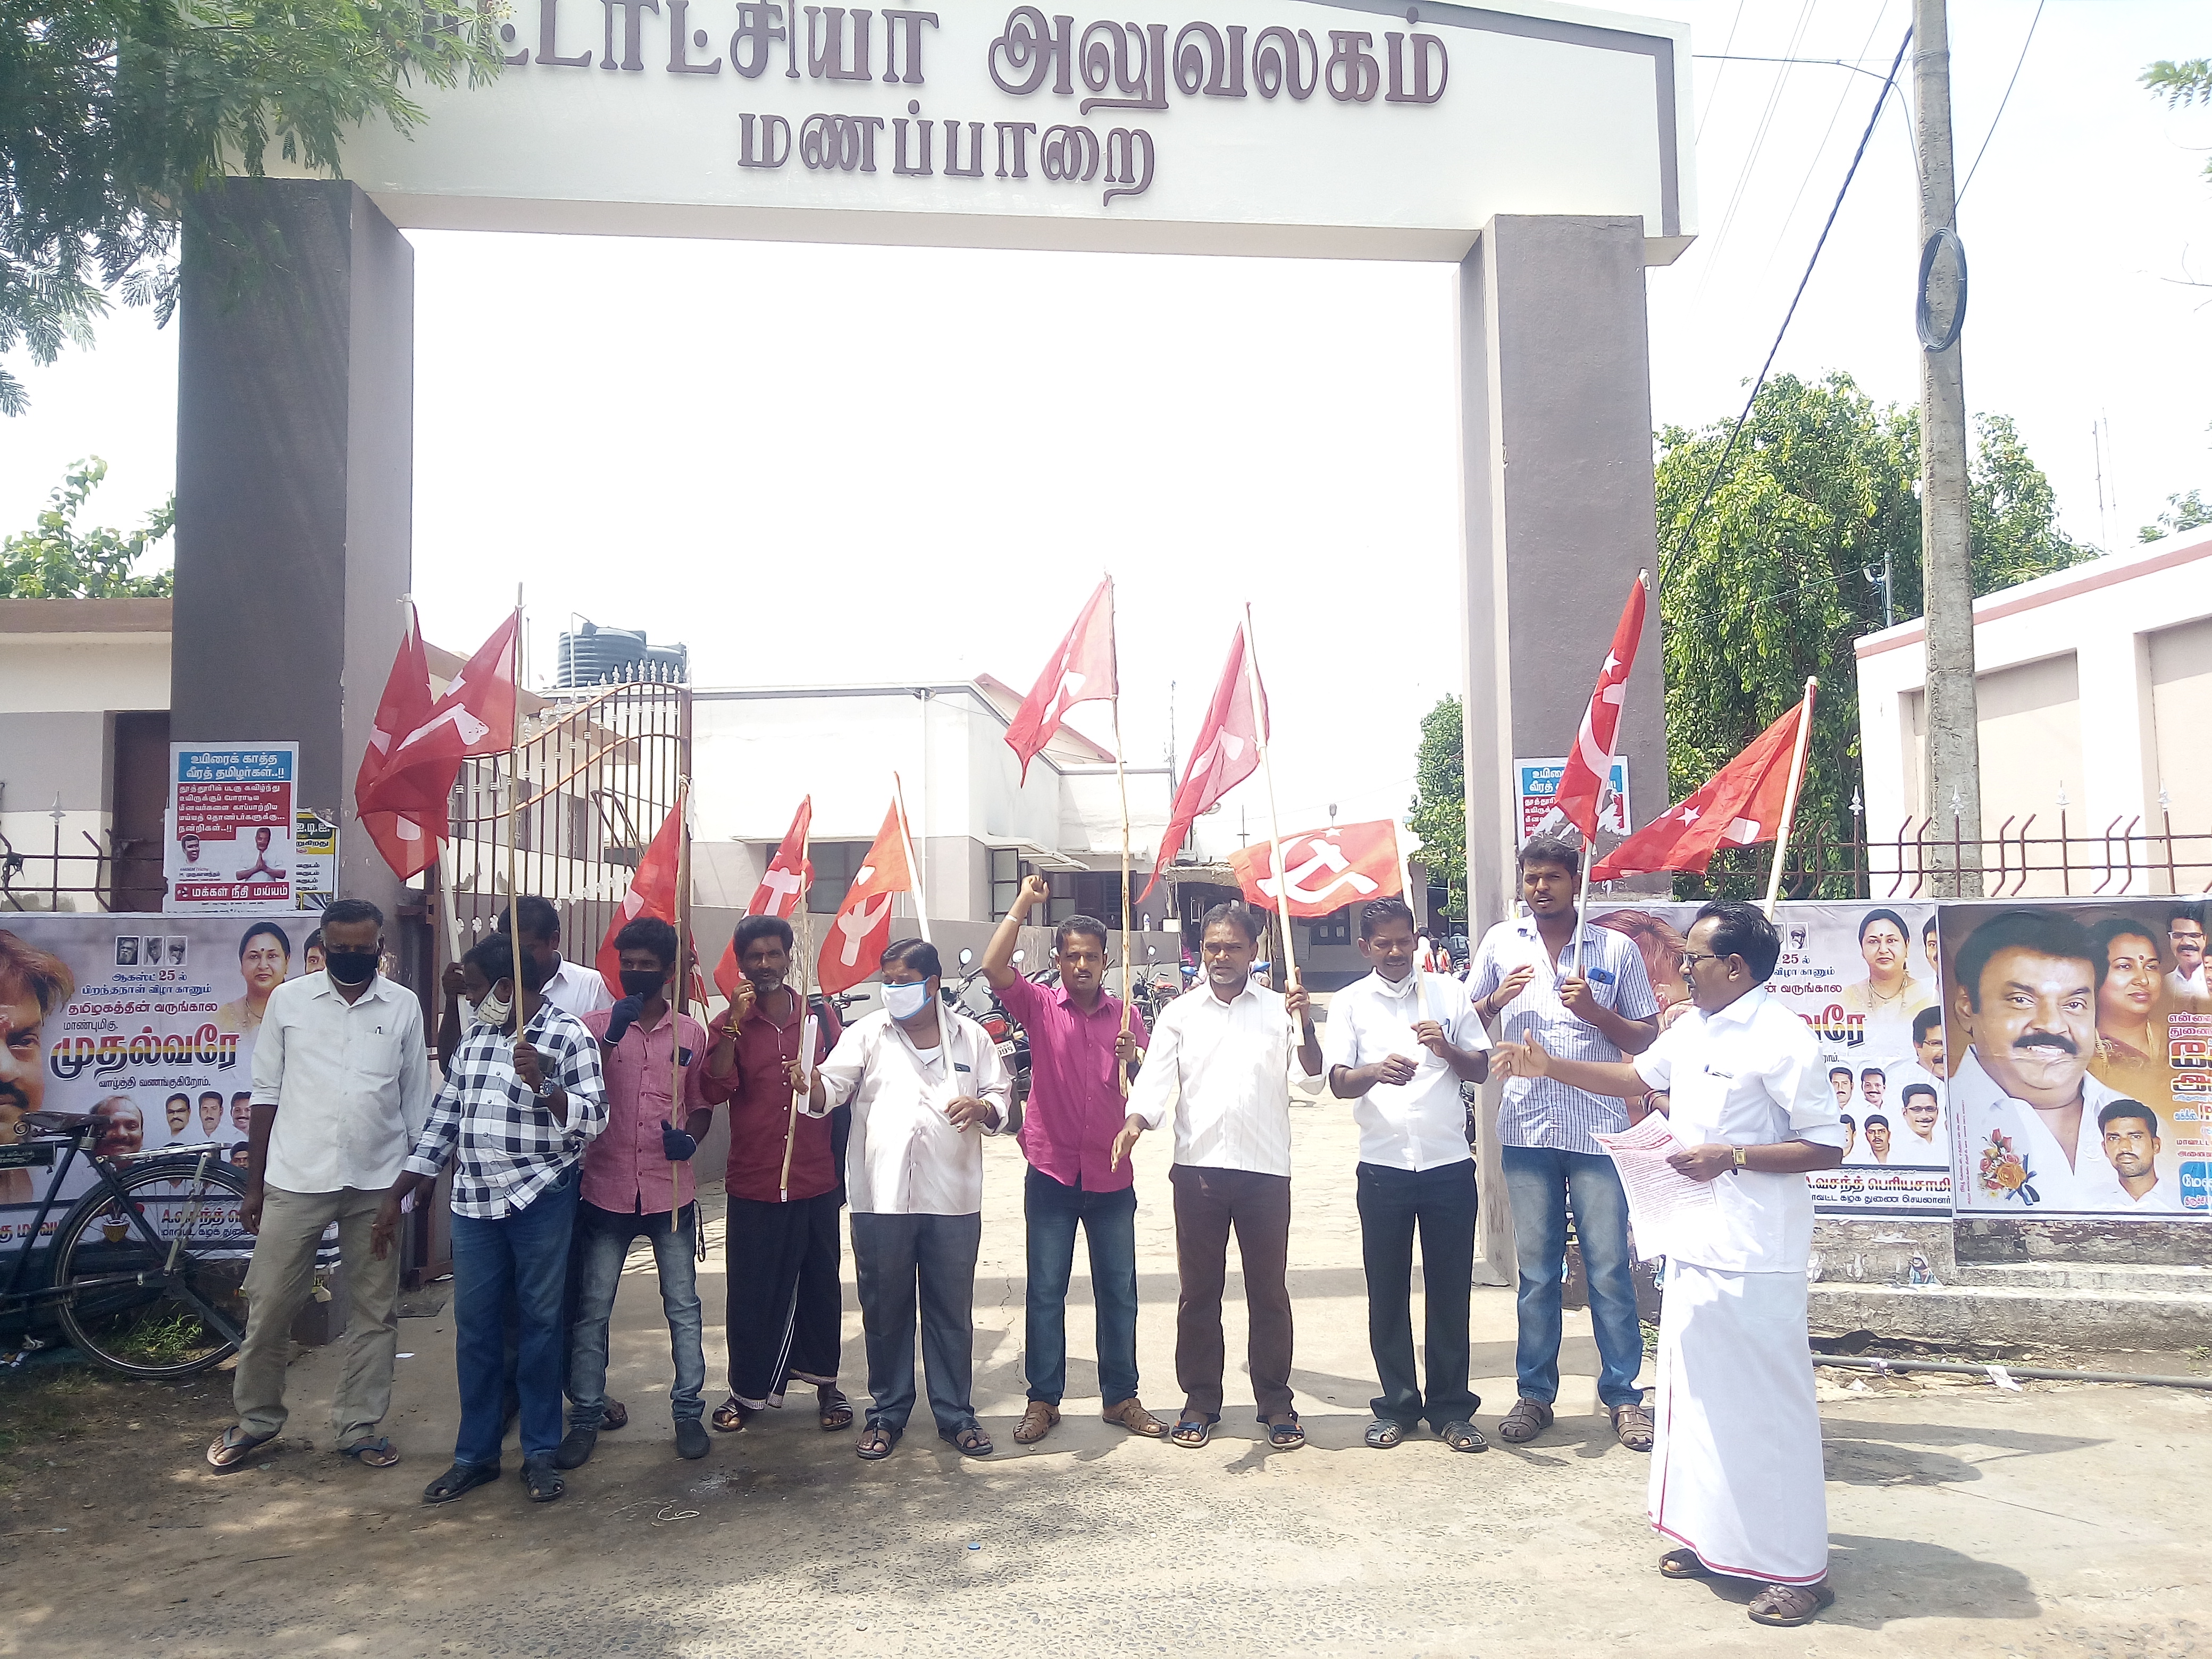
2094	687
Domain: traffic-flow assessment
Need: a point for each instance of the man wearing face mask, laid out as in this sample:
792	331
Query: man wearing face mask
341	1087
925	1084
637	1184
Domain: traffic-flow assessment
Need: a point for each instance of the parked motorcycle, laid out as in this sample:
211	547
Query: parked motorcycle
974	997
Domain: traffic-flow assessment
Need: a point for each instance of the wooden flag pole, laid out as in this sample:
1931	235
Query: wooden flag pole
807	977
1274	821
1398	833
913	864
513	804
1604	788
682	988
1789	799
1121	779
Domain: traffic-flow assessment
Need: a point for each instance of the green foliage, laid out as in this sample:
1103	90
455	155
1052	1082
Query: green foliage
113	113
2181	85
1785	571
56	560
1438	815
2190	512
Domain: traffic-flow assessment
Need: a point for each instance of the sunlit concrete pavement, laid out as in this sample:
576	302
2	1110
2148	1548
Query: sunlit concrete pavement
2059	1521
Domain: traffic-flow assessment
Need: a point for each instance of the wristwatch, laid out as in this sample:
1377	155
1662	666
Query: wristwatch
548	1089
1740	1154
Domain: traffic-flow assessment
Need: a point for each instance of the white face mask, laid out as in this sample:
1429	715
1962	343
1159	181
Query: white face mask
906	1002
493	1010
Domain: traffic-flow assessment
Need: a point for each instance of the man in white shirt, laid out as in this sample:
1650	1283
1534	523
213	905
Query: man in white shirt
1221	1058
341	1086
925	1084
1584	991
2131	1147
1400	1043
2027	998
1737	1470
2188	983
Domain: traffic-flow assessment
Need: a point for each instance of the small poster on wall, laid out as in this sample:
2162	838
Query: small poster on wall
231	824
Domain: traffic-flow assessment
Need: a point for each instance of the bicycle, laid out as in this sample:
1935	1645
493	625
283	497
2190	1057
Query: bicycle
157	1296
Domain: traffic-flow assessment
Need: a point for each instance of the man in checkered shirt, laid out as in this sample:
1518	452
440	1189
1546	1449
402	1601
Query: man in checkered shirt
517	1116
1583	991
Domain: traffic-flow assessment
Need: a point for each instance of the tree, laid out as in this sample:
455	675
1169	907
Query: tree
1785	570
114	112
2190	512
59	562
2181	85
1438	814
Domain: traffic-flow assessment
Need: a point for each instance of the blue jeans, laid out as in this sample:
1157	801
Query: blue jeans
896	1260
1540	1182
525	1255
603	1241
1109	1224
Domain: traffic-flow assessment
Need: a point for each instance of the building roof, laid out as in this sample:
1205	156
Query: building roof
86	617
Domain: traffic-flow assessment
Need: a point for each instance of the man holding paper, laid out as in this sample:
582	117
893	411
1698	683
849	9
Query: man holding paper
1735	1470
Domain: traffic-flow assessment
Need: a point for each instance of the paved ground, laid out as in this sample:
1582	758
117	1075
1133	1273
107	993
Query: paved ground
2061	1520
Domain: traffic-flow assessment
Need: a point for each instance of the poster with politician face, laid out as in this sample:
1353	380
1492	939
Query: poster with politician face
2080	1080
1860	975
148	1023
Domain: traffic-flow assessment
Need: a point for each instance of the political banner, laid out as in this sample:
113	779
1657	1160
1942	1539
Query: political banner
1536	786
146	1021
1862	977
2080	1032
233	813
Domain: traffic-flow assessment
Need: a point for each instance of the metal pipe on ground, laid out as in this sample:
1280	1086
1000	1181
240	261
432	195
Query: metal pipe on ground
2032	1373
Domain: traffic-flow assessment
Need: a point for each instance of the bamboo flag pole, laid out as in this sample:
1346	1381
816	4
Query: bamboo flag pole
680	991
807	977
513	804
1399	833
1121	781
1274	821
913	864
1604	788
1790	799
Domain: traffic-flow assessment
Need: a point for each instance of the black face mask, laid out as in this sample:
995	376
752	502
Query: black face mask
351	967
637	982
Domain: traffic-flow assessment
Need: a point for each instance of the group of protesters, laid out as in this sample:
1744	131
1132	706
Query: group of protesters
567	1144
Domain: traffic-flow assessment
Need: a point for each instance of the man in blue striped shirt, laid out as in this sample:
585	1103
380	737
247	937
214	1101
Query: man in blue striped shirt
1582	991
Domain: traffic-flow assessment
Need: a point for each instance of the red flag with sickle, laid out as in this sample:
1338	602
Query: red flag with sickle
1582	785
475	717
1081	670
782	890
1224	754
862	926
1326	869
1741	806
651	893
408	841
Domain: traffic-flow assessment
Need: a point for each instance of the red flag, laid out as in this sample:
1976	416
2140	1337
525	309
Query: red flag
1327	869
1741	806
475	717
1582	786
651	893
862	926
1081	670
407	841
782	890
1226	753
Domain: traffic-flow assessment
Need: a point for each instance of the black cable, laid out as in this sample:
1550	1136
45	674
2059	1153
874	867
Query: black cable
1999	116
1667	559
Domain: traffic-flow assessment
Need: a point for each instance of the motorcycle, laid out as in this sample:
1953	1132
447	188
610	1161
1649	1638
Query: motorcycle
986	1011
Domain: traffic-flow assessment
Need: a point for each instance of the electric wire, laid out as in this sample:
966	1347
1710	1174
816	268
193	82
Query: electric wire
1681	540
1706	113
1999	116
1818	153
1751	162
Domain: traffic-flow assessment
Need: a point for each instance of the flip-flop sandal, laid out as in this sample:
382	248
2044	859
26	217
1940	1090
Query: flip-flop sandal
1286	1437
1194	1431
875	1443
1786	1606
1683	1563
461	1478
1464	1437
230	1449
972	1442
376	1454
730	1418
837	1414
1383	1434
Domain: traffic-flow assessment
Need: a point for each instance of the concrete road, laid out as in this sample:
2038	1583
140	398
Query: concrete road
2061	1520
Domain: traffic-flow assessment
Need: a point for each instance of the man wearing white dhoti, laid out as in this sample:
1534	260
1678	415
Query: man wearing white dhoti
1735	1468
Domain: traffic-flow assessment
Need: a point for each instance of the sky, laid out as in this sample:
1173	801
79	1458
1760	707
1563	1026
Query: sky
822	465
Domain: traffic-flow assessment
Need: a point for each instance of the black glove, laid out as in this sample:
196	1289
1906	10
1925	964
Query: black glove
675	1146
624	1015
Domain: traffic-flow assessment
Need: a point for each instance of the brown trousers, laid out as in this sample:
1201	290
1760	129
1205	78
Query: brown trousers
1207	1204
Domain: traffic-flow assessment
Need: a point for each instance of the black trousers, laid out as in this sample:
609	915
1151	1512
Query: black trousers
784	1302
1439	1204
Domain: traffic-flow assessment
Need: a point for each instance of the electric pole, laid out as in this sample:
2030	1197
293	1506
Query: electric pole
1953	765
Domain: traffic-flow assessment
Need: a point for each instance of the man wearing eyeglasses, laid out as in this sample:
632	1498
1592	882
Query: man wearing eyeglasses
1735	1471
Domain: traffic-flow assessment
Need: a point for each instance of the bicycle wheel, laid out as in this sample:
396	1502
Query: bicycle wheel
125	1303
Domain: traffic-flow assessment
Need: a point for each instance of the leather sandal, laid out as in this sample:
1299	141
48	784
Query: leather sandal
1131	1415
1286	1436
1527	1420
730	1416
1683	1563
459	1479
1463	1437
875	1443
836	1411
1789	1605
1383	1433
1633	1424
1194	1431
1038	1419
614	1415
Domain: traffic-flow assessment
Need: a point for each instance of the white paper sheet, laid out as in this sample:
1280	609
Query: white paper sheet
1664	1204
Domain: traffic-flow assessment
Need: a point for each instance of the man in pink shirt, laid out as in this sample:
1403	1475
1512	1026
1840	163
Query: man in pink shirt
1075	1109
637	1183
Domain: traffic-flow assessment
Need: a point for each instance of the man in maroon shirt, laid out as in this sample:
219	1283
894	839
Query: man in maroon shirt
785	1181
1076	1108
